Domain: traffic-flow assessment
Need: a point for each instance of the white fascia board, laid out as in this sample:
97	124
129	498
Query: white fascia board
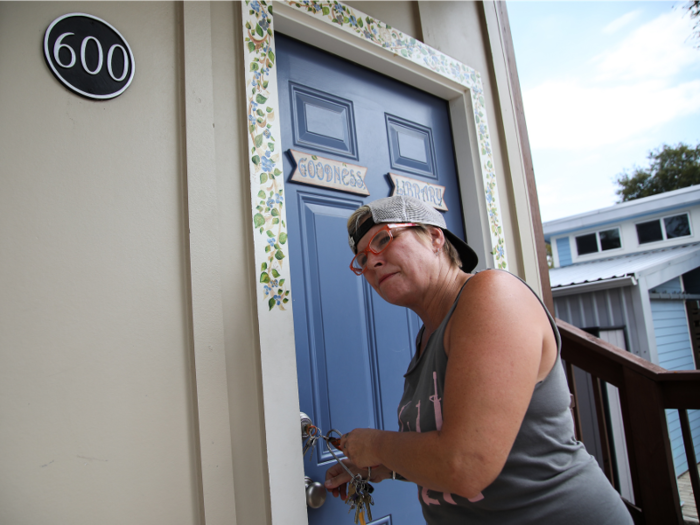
594	286
665	271
655	204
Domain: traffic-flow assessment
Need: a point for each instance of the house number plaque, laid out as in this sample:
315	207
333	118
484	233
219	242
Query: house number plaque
88	56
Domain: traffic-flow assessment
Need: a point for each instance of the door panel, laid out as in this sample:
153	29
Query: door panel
352	347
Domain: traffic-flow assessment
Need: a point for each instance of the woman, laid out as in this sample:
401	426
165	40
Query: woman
499	445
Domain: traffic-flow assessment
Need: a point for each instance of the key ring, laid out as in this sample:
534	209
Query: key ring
328	439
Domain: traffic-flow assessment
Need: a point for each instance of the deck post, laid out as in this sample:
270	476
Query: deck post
649	448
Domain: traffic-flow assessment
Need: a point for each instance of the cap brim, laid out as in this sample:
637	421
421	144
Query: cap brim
466	254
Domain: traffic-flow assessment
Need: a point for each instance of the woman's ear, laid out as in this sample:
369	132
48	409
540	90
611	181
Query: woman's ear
437	238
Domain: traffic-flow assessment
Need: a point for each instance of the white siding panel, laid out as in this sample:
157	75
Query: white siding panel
672	286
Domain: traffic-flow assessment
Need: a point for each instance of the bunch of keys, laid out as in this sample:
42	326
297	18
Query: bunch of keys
360	498
359	495
313	436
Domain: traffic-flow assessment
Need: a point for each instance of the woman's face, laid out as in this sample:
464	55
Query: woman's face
402	272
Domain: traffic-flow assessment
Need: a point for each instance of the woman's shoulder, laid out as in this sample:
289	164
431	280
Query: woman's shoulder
495	285
493	298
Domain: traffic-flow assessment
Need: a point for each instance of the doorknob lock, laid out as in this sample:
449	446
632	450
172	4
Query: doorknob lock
305	424
315	493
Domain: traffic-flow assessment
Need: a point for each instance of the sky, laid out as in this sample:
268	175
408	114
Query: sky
603	84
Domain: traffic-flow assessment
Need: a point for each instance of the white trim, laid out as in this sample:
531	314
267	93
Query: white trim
217	498
642	306
621	212
665	271
513	148
617	282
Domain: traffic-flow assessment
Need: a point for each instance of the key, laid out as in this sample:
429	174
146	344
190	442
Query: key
310	444
368	502
351	497
355	497
365	490
359	511
313	435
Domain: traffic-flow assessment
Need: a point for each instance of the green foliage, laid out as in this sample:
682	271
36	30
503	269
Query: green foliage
670	168
693	7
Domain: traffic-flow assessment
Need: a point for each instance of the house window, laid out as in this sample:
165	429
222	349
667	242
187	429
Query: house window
610	239
666	228
598	241
586	244
677	226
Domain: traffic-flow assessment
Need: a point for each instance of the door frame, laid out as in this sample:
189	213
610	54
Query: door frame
395	55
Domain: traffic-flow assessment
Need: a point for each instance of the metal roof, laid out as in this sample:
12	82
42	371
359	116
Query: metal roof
629	267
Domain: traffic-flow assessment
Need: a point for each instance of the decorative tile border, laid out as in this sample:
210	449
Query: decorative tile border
267	185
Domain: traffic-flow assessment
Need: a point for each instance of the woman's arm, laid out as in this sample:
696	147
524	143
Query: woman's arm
499	344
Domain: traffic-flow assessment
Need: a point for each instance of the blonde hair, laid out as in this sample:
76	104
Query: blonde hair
361	214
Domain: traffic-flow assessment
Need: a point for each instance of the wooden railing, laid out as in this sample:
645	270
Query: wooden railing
646	390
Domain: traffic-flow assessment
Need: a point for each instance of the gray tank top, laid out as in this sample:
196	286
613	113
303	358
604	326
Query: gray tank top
548	478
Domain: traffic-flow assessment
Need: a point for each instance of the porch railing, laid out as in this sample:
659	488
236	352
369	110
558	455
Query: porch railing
646	390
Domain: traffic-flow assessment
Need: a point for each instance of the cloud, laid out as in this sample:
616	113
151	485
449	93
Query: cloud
568	115
619	23
658	49
623	93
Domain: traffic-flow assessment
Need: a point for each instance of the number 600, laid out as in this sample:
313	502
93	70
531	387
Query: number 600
110	55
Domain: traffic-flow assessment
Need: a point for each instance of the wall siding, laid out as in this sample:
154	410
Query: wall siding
602	309
672	286
564	250
675	353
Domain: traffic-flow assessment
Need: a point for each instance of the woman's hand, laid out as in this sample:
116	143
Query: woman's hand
337	477
359	445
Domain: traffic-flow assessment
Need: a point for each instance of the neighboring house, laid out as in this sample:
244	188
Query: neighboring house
630	274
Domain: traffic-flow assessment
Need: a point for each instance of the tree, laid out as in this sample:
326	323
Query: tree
670	168
694	10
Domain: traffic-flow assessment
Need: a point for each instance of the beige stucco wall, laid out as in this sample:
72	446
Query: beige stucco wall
130	369
95	383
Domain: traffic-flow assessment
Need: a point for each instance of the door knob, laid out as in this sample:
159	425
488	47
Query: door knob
305	423
315	493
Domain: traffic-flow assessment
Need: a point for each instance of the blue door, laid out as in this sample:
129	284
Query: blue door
352	347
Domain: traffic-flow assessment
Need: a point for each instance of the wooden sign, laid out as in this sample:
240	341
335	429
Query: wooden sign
432	194
328	173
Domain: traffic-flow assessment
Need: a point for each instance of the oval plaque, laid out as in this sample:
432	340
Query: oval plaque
88	56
